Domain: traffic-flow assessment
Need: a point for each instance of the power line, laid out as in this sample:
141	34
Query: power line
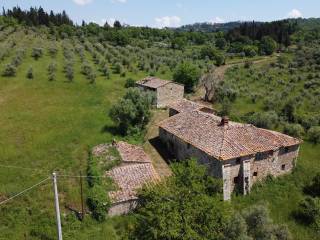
16	167
25	190
81	176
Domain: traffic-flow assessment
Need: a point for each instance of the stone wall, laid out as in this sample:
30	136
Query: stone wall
168	93
239	173
244	172
121	208
183	150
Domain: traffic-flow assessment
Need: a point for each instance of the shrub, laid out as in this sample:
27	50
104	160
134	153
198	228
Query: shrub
187	74
314	134
51	77
53	50
130	83
91	77
294	130
69	72
225	108
118	68
309	211
314	188
132	112
9	71
98	202
105	71
30	73
263	119
36	53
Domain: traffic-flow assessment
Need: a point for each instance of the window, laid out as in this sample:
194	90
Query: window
238	160
286	149
258	156
236	180
283	167
188	145
255	174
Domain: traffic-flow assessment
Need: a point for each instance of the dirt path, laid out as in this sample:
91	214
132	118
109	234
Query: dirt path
153	146
200	91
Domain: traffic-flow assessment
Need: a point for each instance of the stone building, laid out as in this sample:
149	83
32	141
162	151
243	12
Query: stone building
240	154
135	171
165	91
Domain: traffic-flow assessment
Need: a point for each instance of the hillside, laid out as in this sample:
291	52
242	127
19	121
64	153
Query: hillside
58	83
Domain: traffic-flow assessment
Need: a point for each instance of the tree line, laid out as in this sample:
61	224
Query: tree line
37	16
280	31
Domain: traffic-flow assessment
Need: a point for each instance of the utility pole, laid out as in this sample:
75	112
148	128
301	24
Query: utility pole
56	201
81	193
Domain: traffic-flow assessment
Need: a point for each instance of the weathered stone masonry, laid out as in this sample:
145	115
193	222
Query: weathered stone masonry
165	91
240	154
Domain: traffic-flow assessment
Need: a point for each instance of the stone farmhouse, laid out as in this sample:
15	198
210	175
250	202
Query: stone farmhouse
165	91
240	154
135	171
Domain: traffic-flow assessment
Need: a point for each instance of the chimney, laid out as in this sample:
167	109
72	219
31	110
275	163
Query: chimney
224	121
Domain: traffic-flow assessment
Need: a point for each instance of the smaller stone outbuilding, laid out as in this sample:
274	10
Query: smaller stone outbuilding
165	91
185	105
135	171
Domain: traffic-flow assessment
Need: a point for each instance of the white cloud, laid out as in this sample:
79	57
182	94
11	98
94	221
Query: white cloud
82	2
167	21
294	13
217	20
118	1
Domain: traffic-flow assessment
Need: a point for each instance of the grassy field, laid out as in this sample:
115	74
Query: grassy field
49	126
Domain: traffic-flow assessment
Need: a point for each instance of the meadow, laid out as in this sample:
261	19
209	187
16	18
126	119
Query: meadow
51	124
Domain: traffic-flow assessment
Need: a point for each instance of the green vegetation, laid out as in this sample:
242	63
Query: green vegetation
188	206
75	102
132	112
282	95
188	75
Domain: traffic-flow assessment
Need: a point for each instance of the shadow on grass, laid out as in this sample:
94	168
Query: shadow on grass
162	149
114	130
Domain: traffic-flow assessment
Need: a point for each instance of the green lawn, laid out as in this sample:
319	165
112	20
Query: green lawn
47	126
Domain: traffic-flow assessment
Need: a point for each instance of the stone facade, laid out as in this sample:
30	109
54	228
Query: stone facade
238	174
165	91
121	208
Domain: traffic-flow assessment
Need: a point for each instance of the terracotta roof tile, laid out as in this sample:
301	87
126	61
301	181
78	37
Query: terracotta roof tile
223	142
129	178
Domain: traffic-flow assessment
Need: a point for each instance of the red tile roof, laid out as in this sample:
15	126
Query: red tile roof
232	140
184	105
135	171
132	153
129	178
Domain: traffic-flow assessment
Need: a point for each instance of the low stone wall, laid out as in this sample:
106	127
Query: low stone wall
121	208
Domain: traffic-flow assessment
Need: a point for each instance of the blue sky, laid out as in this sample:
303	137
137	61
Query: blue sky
171	13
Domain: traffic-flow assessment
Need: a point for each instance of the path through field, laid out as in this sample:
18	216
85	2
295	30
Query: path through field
220	71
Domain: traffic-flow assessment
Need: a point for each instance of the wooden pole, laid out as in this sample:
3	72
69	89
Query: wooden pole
81	193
